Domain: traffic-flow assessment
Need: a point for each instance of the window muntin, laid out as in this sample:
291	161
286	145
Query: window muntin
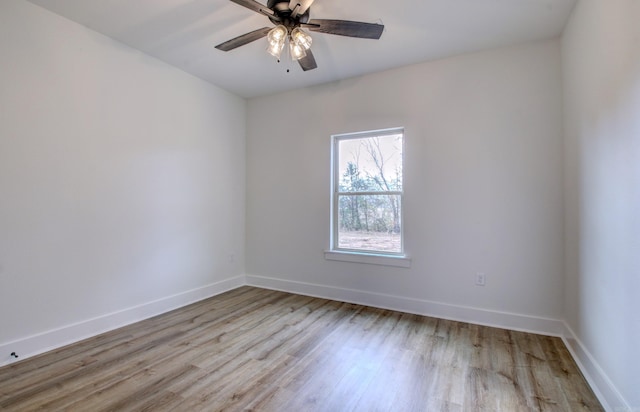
367	192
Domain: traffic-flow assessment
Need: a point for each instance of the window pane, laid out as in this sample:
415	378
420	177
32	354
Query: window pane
370	164
369	222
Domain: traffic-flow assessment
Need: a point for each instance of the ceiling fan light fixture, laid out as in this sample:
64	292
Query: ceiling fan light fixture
301	38
289	17
297	51
275	40
275	49
277	34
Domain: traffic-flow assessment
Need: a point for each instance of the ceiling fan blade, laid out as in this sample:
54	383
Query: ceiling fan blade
244	39
304	6
308	62
346	28
255	6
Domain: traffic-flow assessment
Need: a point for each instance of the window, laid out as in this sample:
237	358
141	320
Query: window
367	193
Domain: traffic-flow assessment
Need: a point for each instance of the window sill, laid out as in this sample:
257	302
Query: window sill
368	258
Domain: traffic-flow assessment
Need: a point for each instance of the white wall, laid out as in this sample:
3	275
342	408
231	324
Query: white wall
483	183
601	57
121	183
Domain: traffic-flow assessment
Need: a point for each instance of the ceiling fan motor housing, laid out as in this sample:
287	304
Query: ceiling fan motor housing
283	14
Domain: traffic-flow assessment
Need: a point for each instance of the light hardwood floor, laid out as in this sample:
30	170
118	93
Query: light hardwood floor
260	350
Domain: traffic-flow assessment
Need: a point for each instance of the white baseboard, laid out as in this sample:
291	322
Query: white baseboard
605	390
56	338
505	320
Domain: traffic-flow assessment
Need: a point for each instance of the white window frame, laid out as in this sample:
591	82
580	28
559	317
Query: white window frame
399	259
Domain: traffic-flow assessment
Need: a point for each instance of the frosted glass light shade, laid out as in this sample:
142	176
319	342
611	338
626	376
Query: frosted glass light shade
275	49
301	38
297	51
277	34
275	41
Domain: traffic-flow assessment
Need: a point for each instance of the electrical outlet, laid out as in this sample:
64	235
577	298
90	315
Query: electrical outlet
481	279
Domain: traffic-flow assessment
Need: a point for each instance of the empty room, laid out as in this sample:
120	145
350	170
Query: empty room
324	205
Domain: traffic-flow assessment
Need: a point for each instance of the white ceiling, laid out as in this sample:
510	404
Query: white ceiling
183	33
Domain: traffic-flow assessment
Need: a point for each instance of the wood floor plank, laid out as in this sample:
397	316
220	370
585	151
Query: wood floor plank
252	349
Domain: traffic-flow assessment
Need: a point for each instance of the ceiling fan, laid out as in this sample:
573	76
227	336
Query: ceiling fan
290	17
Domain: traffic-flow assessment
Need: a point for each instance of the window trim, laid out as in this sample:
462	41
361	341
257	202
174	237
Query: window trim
402	261
361	255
